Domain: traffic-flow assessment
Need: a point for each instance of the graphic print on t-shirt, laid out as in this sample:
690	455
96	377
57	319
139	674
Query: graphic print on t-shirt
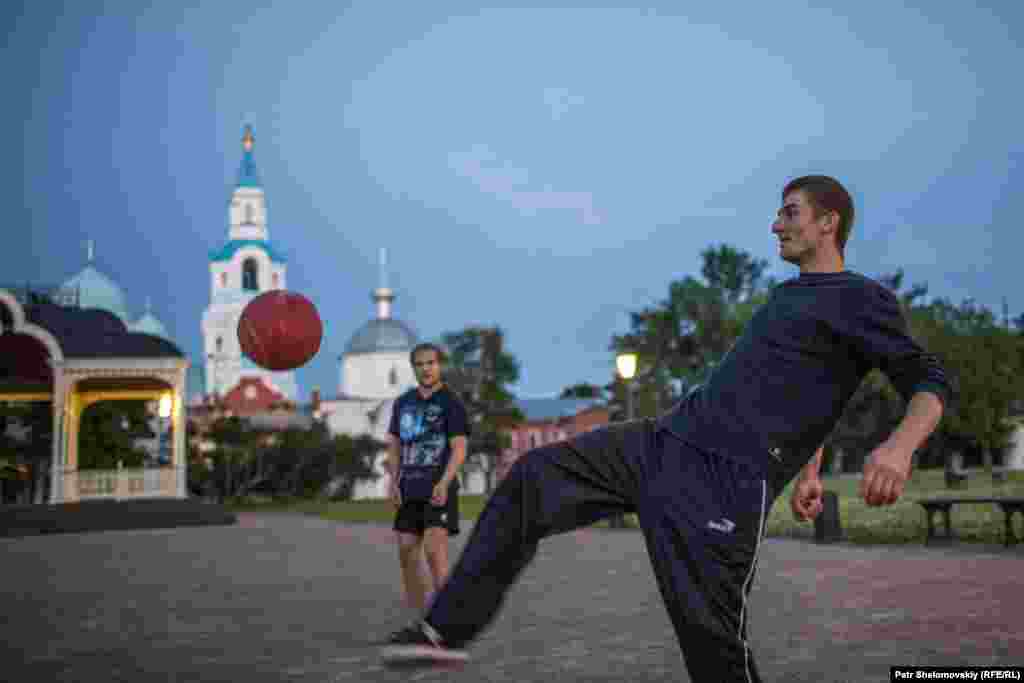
422	434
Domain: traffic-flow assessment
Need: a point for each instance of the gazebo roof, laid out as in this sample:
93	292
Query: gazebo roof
96	333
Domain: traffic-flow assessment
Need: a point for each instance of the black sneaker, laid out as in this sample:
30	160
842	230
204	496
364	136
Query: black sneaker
420	645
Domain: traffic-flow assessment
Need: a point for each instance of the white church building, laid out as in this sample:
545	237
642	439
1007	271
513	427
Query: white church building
375	370
243	268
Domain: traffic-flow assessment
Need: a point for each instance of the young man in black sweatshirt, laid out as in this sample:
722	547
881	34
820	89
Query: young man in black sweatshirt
703	476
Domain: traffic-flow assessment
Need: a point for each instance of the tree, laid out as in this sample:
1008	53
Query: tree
300	462
583	390
235	443
679	340
734	272
479	370
32	450
351	459
984	362
107	434
986	366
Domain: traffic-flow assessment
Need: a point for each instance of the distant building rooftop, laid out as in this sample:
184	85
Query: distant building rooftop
541	409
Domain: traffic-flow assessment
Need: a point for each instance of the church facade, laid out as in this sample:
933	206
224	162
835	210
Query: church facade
245	266
374	371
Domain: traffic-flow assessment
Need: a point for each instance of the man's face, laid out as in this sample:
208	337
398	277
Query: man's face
428	369
801	234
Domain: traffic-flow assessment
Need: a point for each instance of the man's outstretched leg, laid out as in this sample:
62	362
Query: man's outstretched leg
550	490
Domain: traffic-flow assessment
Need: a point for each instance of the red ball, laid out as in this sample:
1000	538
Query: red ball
280	330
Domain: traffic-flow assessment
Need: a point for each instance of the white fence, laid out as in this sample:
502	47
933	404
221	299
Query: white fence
121	484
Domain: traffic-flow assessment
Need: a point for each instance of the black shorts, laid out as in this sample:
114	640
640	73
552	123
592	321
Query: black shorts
416	516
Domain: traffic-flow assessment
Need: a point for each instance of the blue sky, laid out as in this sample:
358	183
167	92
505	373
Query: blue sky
544	169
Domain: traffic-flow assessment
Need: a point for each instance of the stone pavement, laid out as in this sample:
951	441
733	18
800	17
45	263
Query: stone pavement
294	598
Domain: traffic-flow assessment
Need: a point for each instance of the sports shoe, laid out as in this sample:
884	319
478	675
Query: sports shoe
420	645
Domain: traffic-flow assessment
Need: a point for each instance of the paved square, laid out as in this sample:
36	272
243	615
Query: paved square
295	598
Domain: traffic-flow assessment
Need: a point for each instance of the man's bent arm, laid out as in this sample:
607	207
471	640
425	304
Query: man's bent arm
923	414
812	468
458	445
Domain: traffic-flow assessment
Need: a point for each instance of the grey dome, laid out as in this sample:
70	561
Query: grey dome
382	334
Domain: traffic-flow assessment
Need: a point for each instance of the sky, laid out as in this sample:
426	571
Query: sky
542	168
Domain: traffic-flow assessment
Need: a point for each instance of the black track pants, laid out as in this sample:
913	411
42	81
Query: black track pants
702	517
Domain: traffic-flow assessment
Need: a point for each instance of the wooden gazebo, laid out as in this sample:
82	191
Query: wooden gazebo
71	358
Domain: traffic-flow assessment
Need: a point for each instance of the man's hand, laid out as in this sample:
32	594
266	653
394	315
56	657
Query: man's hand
440	495
806	501
885	475
394	493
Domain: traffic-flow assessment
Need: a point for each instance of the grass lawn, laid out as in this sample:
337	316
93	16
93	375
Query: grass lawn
902	522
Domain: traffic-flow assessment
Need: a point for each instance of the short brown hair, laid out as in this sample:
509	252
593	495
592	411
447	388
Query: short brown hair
427	346
826	194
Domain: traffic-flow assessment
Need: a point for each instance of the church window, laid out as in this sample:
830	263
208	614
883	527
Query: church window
223	279
220	344
250	271
393	377
248	214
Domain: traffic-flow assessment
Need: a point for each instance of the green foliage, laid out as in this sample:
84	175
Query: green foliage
734	272
904	522
986	366
480	370
28	452
8	467
582	390
292	462
37	418
107	434
679	340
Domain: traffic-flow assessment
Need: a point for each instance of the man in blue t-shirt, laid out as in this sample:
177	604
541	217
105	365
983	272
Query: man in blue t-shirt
427	447
702	477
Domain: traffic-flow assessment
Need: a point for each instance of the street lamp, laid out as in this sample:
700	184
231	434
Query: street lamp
165	406
625	363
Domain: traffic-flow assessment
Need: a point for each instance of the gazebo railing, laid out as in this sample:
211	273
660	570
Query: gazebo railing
123	484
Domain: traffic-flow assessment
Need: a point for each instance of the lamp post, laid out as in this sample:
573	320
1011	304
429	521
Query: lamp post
625	363
165	413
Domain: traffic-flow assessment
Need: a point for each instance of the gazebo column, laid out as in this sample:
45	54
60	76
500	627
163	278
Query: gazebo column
179	450
59	439
70	469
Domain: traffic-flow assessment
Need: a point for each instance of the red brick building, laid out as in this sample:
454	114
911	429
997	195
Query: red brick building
548	420
253	400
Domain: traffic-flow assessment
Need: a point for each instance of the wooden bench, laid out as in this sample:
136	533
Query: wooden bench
943	505
956	479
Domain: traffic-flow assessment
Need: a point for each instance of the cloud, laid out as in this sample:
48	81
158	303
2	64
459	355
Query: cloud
511	184
560	100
